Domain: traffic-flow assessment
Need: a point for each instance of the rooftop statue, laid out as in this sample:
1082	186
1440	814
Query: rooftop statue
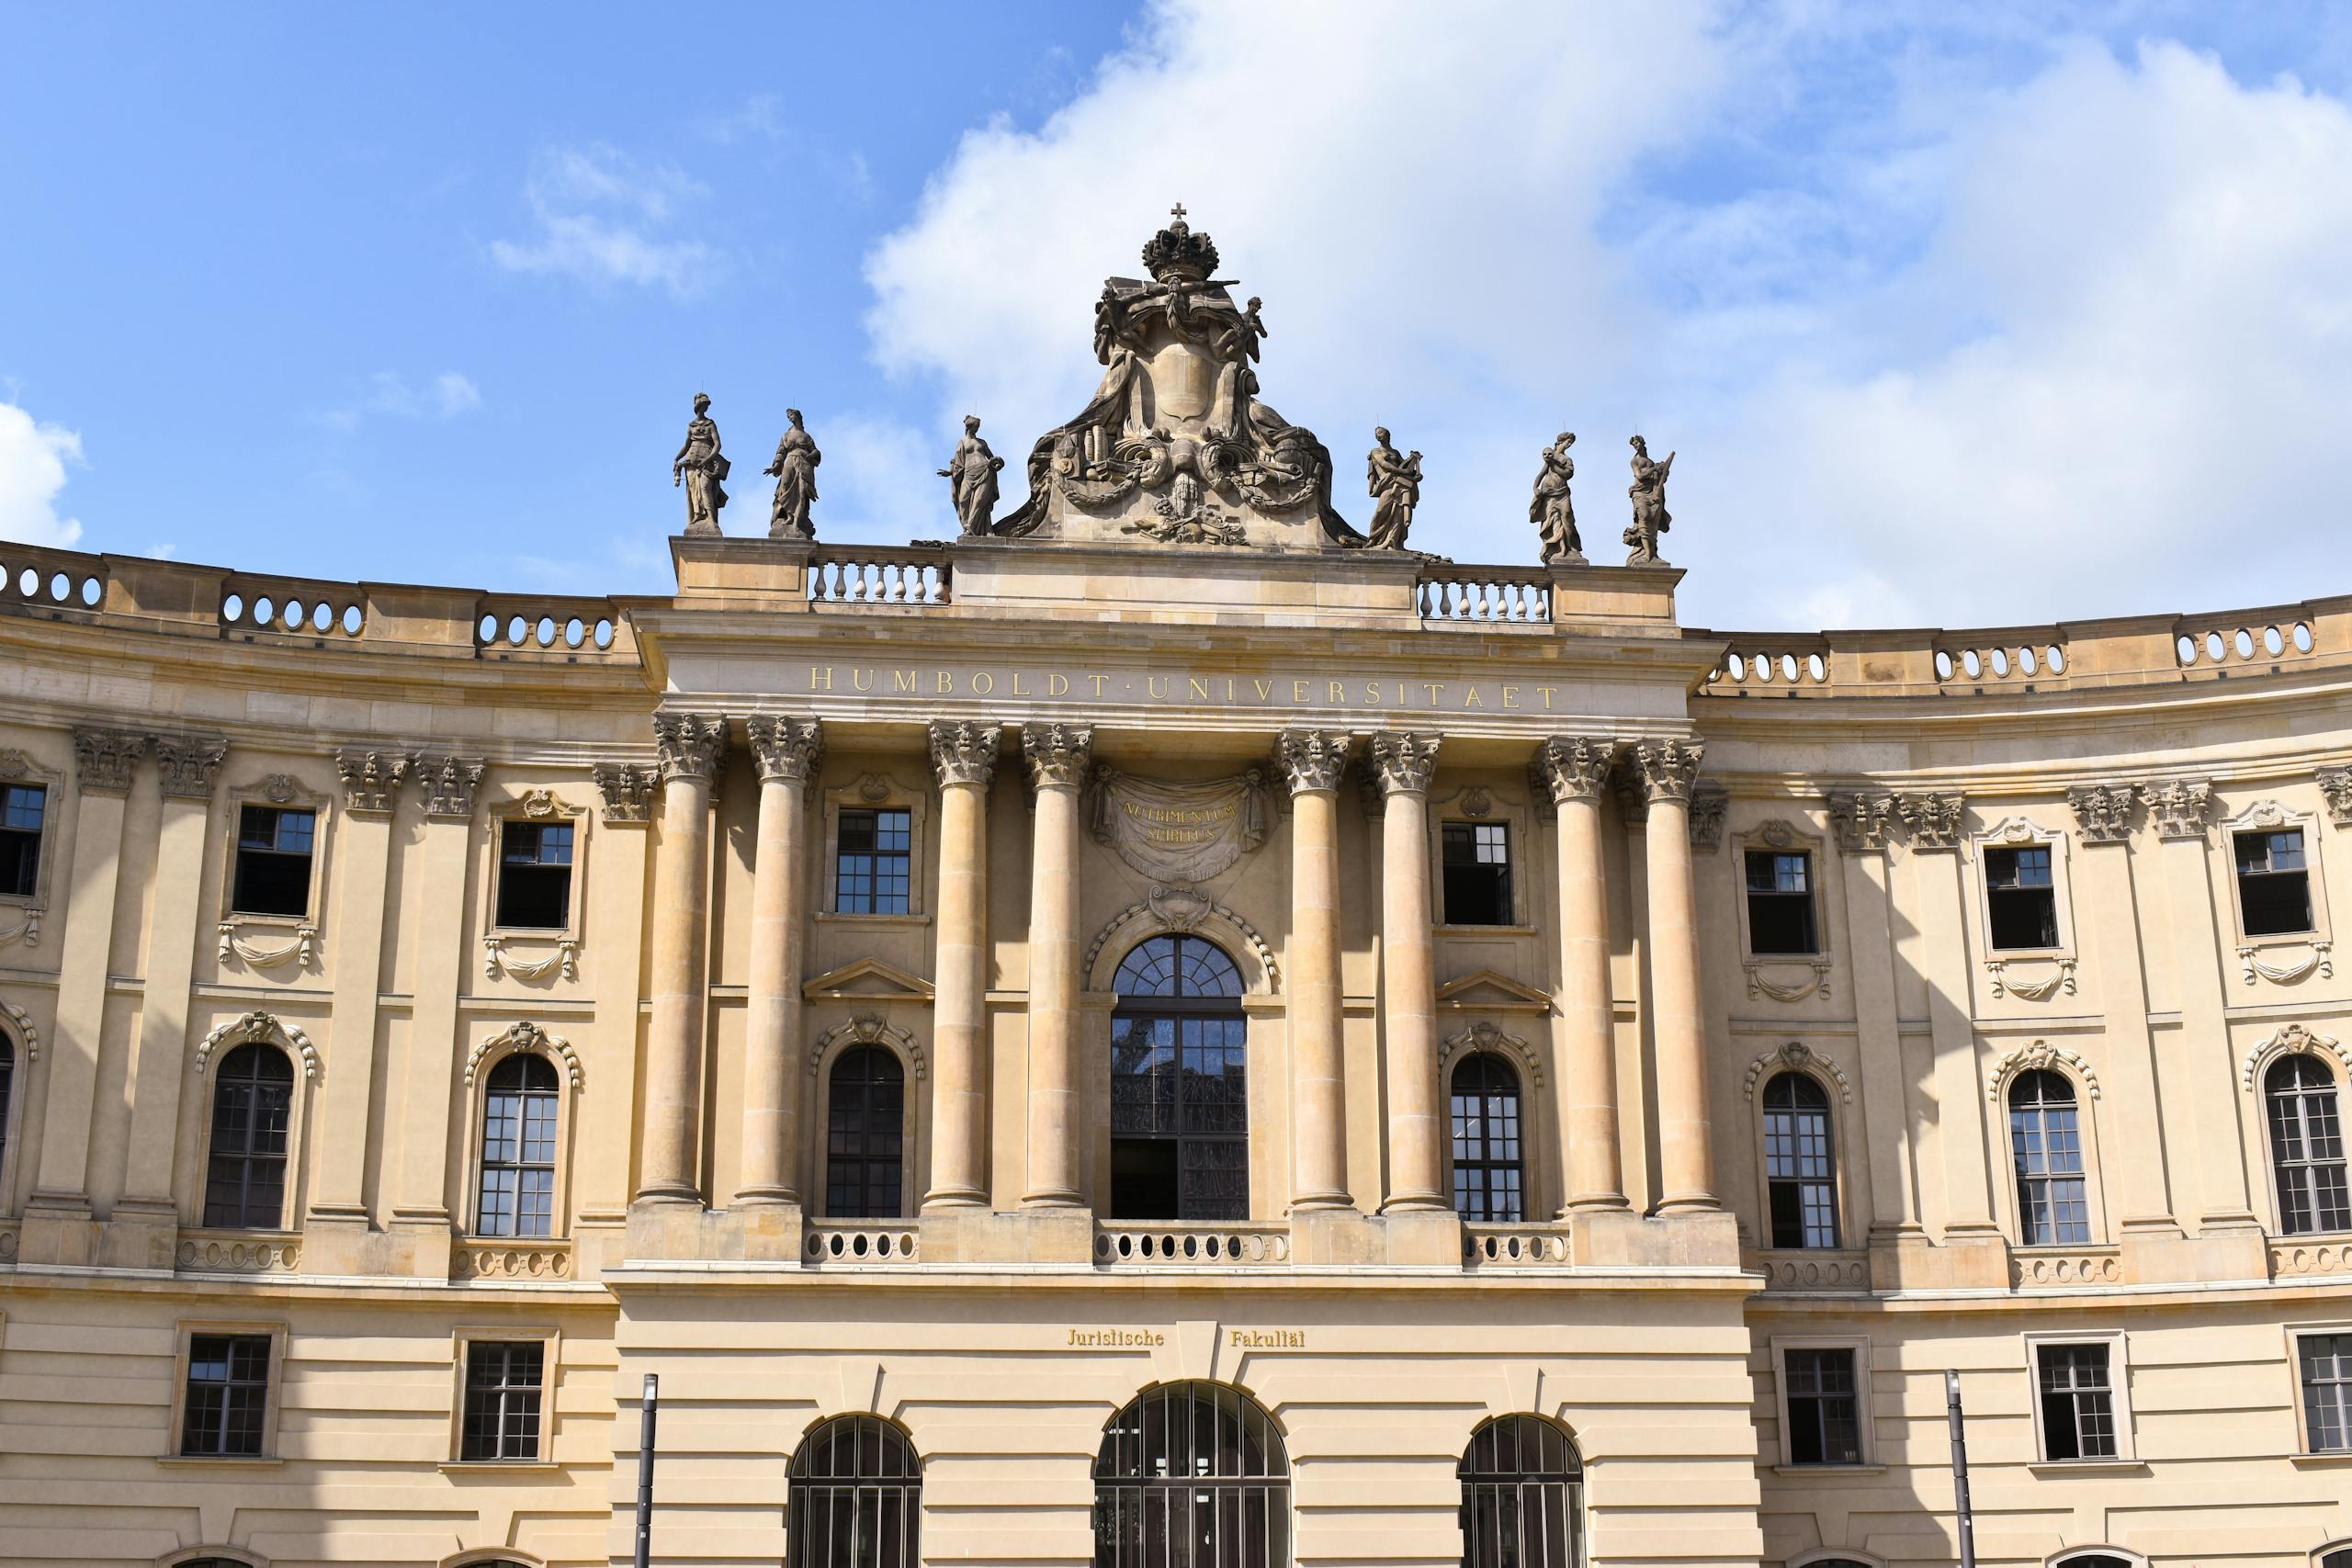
699	466
971	476
1175	446
1396	488
796	481
1650	516
1552	511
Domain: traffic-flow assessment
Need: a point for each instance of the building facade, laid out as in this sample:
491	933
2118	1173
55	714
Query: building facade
1159	1033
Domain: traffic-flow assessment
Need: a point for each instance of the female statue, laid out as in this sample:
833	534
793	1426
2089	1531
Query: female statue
971	475
796	481
1650	516
1552	511
700	465
1395	490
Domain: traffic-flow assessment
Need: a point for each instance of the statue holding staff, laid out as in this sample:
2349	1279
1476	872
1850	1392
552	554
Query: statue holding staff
1650	516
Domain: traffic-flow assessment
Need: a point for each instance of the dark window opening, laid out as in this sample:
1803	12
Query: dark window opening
1191	1475
519	1123
1489	1172
1478	874
273	875
2020	899
2077	1403
2326	1361
1522	1496
2046	1147
535	875
2274	883
252	1100
7	1086
24	809
1825	1407
504	1384
1180	1089
1780	903
872	862
1800	1167
227	1402
854	1498
865	1136
2307	1146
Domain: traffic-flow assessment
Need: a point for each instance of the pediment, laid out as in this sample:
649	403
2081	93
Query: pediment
868	979
1484	990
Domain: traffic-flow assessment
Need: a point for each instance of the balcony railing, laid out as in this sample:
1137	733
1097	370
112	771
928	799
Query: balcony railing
1485	594
826	1241
1121	1243
1486	1246
878	575
506	1259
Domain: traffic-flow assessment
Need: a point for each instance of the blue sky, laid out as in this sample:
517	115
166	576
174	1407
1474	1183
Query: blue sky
2022	317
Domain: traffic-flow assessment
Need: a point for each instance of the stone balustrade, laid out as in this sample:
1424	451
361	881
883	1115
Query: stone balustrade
878	574
2062	1268
1125	1244
239	1252
505	1259
1488	1246
1845	1268
1486	594
860	1241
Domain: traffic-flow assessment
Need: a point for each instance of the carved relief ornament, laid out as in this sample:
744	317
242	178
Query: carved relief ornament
784	749
2103	811
1493	1040
187	765
2178	806
1934	819
1670	768
103	760
1796	1056
871	1029
625	790
2336	789
372	778
689	745
965	753
449	782
1863	821
25	1029
2036	1058
526	1036
1058	755
259	1026
2290	1039
1708	806
1404	761
1576	767
1312	760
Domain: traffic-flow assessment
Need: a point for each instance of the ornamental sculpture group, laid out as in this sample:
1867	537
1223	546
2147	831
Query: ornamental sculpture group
1175	446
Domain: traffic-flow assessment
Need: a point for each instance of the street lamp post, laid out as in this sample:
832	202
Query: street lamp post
1958	1470
649	1408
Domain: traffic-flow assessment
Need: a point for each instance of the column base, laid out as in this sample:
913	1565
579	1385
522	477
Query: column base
58	1229
425	1241
2209	1257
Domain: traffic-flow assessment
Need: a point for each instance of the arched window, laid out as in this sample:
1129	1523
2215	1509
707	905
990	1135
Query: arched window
1180	1090
7	1086
1522	1496
1191	1475
2337	1558
2307	1146
855	1497
1835	1563
252	1101
865	1119
2092	1560
2046	1141
1799	1165
1489	1178
518	1148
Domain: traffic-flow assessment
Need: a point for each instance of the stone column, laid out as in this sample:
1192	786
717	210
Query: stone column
1417	1136
1686	1137
786	752
963	758
1576	770
1312	763
1058	757
186	767
689	745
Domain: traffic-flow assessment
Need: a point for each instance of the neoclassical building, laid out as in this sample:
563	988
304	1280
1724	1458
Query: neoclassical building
1161	1031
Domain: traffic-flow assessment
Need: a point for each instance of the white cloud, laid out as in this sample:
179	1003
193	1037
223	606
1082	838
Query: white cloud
2025	332
388	392
33	459
603	217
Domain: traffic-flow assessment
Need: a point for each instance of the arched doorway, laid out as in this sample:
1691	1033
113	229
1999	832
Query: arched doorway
1522	1495
854	1498
1180	1085
1191	1475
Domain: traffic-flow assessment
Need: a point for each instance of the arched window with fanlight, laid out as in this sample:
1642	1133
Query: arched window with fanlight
518	1141
1180	1086
2046	1147
2307	1146
1191	1475
1800	1163
1489	1166
1522	1496
865	1113
253	1105
853	1497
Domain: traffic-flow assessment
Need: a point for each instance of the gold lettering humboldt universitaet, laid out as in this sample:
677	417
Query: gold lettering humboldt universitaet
1186	690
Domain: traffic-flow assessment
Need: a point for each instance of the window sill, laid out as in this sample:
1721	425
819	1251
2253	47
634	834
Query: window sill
2329	1461
1468	929
2052	1468
532	933
2049	954
1814	1472
497	1466
192	1461
830	917
249	918
1784	958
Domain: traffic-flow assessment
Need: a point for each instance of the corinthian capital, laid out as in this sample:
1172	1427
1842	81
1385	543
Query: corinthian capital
625	791
1058	755
784	749
1404	761
1669	768
1863	821
965	753
1934	819
449	782
1708	805
1576	767
2178	806
2103	812
103	759
187	765
689	745
1312	759
371	780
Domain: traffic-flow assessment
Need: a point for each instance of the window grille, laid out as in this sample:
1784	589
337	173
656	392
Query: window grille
2077	1403
252	1101
273	872
1522	1496
1799	1165
2307	1146
2046	1144
519	1123
1489	1175
505	1381
1191	1475
1180	1093
227	1400
865	1136
854	1498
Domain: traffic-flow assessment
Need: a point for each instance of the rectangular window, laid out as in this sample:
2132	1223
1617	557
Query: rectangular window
273	862
503	1383
871	871
2326	1366
2274	885
1780	903
535	875
1825	1407
23	810
228	1395
1478	874
2020	899
2077	1402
